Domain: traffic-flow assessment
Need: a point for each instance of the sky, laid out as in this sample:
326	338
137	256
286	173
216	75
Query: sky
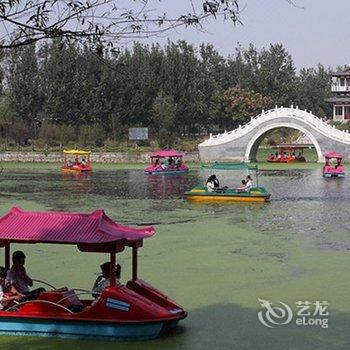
314	31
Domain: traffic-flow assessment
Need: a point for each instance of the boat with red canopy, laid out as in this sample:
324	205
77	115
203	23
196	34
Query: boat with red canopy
333	170
166	162
132	311
287	154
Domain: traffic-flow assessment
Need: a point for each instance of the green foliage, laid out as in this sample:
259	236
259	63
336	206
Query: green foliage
92	134
238	105
176	90
313	87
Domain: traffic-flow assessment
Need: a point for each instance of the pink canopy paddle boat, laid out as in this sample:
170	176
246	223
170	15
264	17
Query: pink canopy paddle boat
336	169
166	162
135	310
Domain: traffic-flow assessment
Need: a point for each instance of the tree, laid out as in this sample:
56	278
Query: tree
7	115
24	84
314	86
163	117
239	104
101	22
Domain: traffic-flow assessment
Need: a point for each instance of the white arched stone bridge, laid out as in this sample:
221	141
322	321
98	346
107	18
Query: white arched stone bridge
242	143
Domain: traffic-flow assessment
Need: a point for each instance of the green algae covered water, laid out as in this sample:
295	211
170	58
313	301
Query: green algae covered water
215	260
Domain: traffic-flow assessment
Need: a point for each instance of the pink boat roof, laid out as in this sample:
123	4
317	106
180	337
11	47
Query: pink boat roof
89	230
166	153
333	154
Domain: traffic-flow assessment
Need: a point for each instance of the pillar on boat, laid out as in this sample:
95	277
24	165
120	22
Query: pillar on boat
134	263
112	268
7	256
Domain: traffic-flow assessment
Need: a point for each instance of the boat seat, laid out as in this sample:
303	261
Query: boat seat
63	296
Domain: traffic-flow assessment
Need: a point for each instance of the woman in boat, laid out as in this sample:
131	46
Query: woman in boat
103	281
249	182
210	184
246	184
213	183
5	296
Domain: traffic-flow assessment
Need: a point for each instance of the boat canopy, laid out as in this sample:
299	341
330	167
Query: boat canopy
94	232
333	154
166	153
76	152
230	166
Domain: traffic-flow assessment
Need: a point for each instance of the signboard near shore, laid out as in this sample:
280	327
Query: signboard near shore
138	134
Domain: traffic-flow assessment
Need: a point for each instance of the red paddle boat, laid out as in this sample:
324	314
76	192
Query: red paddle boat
132	311
333	170
166	162
287	155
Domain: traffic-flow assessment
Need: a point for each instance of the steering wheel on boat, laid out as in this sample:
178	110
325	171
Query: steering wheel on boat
18	305
45	283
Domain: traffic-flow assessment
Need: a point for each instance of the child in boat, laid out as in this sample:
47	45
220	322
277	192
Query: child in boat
6	297
103	281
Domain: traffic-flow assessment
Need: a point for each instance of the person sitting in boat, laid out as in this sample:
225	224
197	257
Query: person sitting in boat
103	281
246	184
69	163
171	161
6	297
177	162
243	188
210	184
76	161
213	184
163	166
83	162
249	182
17	279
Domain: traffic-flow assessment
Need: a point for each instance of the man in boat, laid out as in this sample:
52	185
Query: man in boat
17	279
103	281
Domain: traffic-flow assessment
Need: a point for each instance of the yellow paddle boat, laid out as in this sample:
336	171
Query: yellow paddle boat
201	194
76	161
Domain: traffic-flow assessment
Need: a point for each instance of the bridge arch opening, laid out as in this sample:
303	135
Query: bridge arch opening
254	143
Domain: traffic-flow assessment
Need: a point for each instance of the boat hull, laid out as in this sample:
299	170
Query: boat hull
295	160
75	170
226	199
83	330
166	172
201	195
333	174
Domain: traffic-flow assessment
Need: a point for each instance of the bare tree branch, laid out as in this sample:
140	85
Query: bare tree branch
101	22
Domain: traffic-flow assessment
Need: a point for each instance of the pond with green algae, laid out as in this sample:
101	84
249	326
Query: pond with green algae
215	260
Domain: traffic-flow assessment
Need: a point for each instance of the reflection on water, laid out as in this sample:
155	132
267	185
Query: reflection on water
302	200
215	259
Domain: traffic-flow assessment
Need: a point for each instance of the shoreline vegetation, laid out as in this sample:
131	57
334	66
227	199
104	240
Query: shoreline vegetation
134	157
132	160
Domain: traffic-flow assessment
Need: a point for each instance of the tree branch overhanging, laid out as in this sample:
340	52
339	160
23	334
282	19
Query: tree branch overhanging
101	22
